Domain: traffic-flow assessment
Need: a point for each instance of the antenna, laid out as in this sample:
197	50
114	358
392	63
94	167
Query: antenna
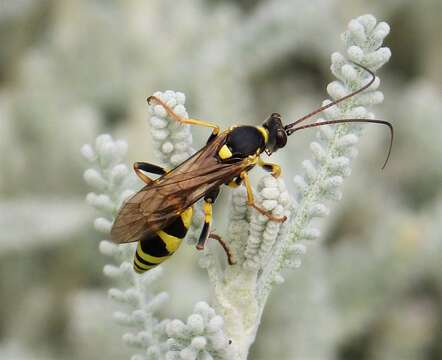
322	108
343	121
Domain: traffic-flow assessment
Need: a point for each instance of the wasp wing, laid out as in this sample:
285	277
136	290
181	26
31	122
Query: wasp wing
158	204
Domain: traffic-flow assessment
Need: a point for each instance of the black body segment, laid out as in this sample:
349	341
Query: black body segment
244	141
154	246
177	228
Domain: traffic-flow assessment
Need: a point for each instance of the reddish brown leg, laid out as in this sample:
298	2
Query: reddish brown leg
225	248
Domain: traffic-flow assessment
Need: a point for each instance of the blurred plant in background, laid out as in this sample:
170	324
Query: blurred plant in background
72	69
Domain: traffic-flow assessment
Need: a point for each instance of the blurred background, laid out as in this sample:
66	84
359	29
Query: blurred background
72	69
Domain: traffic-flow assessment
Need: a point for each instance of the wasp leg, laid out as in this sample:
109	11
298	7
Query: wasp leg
274	169
209	199
251	201
225	247
183	120
154	169
235	182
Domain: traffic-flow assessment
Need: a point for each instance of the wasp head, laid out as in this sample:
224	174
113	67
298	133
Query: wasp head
277	135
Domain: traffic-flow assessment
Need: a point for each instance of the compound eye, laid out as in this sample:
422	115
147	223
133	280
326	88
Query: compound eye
281	138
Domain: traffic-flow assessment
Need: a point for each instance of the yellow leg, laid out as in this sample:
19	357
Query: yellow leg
182	120
235	182
274	169
251	200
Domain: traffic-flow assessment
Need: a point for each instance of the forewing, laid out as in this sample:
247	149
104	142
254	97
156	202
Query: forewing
192	179
131	223
157	204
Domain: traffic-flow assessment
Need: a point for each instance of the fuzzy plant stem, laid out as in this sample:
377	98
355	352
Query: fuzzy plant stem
270	248
335	148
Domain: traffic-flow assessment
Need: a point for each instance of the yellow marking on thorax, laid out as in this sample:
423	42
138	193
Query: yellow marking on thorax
171	242
224	152
186	216
264	133
150	258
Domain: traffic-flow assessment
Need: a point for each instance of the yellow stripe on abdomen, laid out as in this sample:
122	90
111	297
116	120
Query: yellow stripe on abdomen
141	265
159	247
186	217
171	242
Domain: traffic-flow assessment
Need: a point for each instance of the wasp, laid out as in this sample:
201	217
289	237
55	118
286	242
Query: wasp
159	215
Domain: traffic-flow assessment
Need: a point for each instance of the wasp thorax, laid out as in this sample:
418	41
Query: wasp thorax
277	135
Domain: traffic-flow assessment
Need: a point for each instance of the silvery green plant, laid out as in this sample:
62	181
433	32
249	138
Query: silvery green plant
335	146
261	249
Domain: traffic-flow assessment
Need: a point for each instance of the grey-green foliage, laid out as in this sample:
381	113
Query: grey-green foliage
66	66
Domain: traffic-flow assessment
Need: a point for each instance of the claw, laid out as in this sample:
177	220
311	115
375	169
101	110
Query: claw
152	97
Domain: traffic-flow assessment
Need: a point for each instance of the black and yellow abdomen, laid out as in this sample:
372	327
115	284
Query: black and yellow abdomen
156	248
